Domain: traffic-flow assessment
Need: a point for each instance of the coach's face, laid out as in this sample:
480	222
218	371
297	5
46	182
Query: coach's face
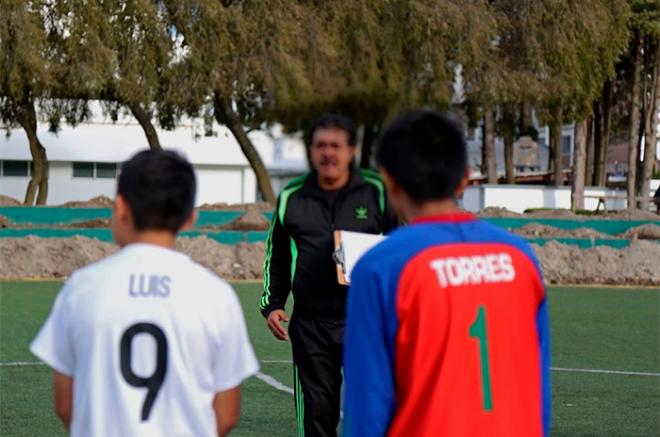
331	154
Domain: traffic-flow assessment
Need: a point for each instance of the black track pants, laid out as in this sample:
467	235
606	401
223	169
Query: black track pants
317	360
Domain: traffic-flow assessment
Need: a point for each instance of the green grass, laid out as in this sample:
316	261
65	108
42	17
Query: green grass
593	328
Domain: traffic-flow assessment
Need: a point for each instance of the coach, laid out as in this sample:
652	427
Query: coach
333	196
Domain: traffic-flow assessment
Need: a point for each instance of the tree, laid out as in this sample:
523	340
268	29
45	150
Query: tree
636	75
635	113
508	128
577	188
398	55
651	124
231	54
25	76
144	50
556	146
118	52
578	54
603	114
489	160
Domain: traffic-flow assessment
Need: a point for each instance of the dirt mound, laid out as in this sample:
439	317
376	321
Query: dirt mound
8	201
497	211
623	214
636	264
222	206
94	223
252	220
94	202
243	261
34	257
551	213
250	257
631	214
644	232
5	222
537	230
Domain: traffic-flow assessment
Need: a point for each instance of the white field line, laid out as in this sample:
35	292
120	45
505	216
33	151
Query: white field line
22	363
279	386
609	372
274	383
259	375
554	369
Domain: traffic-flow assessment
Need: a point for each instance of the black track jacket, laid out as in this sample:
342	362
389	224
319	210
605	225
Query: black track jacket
300	242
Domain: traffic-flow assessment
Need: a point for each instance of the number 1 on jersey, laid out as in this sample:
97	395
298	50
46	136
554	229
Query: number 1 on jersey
478	331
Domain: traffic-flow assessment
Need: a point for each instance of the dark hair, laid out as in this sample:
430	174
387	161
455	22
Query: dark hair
334	121
159	187
425	152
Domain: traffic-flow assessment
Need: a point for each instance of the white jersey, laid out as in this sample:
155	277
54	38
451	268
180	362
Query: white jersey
148	337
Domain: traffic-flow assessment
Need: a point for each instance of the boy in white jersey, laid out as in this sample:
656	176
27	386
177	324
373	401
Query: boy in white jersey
147	342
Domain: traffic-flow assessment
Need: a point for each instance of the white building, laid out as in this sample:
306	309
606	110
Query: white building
84	160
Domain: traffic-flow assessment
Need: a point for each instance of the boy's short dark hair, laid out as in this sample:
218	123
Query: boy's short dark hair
159	187
425	152
335	121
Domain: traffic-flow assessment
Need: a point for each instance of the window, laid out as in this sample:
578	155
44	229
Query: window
16	168
104	170
567	143
83	169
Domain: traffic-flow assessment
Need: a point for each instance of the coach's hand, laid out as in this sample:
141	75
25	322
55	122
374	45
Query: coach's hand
275	319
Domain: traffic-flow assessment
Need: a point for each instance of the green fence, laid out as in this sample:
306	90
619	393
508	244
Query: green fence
52	215
67	216
235	237
23	215
104	234
611	227
57	216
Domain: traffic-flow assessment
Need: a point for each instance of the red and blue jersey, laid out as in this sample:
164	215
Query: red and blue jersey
447	334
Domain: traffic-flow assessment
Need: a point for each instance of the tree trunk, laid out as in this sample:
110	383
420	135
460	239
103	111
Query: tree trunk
526	118
556	147
639	177
633	131
38	185
650	136
579	156
142	116
508	137
489	156
367	141
598	140
42	197
600	176
589	170
225	115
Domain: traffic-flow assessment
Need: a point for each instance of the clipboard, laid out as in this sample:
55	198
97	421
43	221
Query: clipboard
349	248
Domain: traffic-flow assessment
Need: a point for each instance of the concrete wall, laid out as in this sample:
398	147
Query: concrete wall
230	184
518	198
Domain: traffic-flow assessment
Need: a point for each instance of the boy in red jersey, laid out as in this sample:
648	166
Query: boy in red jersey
447	327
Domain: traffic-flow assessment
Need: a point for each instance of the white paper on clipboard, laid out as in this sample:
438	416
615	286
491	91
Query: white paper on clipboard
349	248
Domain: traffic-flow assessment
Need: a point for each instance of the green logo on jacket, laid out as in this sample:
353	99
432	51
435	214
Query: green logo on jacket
361	213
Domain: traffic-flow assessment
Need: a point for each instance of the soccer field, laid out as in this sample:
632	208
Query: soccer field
606	364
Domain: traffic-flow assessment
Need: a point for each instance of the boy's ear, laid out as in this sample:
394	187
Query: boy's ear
393	187
122	211
465	181
190	221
